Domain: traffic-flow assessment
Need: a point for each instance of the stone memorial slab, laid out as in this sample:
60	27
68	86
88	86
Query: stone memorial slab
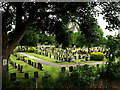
70	68
26	75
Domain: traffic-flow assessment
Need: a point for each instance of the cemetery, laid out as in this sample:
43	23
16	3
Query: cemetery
60	45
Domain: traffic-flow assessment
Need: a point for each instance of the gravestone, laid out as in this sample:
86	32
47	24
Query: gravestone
70	68
15	65
86	58
26	76
50	55
63	69
29	62
32	63
79	56
35	64
23	58
97	65
21	69
75	57
36	74
57	57
13	76
40	66
83	57
40	53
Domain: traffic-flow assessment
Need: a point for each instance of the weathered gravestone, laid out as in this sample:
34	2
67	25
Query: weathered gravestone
70	68
36	74
29	62
97	65
32	63
79	56
86	58
13	76
26	76
50	55
21	69
15	65
40	66
63	69
35	64
75	57
40	53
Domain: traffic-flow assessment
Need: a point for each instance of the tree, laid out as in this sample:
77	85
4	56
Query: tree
31	38
80	40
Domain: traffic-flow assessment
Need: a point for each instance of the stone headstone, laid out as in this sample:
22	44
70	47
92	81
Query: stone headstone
70	68
26	75
79	56
32	63
29	62
40	53
13	76
15	65
35	64
63	69
21	69
39	65
36	74
98	65
75	57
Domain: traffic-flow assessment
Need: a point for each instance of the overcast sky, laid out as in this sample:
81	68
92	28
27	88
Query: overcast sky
102	23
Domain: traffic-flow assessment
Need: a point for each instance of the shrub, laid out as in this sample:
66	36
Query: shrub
46	43
31	49
97	56
14	51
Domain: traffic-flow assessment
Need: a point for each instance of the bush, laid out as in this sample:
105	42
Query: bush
31	49
97	56
46	43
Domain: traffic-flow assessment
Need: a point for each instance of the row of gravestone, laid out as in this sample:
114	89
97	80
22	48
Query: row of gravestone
30	62
34	64
62	57
26	75
19	67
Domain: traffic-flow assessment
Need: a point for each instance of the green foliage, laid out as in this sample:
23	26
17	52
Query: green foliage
30	39
46	43
31	49
113	44
111	71
97	56
79	40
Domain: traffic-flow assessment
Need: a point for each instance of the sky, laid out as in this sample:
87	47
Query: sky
102	23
